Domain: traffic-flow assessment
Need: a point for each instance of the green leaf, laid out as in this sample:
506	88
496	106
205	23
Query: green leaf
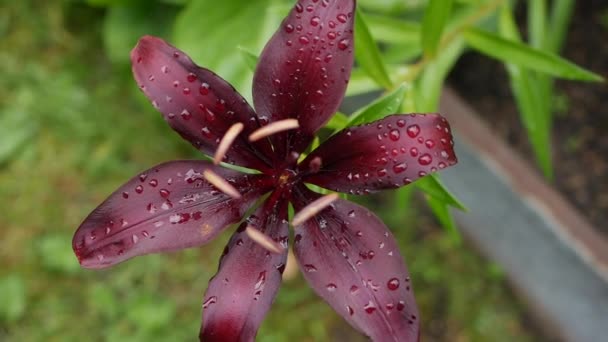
432	186
337	122
212	35
522	55
390	30
561	13
367	53
532	98
380	108
428	87
537	23
434	20
442	211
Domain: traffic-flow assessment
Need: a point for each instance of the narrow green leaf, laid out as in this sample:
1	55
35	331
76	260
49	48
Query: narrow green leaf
522	55
337	122
442	211
561	13
367	53
434	20
531	96
432	186
390	30
537	23
429	85
386	105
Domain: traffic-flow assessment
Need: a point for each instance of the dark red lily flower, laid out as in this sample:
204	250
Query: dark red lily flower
345	252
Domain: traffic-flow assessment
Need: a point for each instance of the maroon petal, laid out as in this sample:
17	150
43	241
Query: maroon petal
352	261
197	103
168	207
304	69
249	276
385	154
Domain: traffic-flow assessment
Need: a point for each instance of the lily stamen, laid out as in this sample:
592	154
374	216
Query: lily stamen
313	209
264	240
273	128
227	141
221	184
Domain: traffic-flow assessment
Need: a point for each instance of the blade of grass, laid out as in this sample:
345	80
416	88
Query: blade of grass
390	30
533	108
435	18
381	107
524	56
367	53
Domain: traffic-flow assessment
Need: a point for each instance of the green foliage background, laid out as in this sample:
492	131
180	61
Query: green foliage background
73	126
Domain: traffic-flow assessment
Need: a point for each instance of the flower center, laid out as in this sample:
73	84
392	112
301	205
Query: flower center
287	178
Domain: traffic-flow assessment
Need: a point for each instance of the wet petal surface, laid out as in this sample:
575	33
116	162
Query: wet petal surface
197	103
352	261
168	207
304	69
385	154
249	276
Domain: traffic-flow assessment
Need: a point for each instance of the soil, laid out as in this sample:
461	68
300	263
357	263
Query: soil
580	132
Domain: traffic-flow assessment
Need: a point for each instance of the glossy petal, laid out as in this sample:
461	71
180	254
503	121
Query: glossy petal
249	276
352	261
168	207
385	154
304	69
197	103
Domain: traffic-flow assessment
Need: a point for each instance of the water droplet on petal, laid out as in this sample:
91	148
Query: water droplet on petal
413	131
209	301
425	159
394	135
393	284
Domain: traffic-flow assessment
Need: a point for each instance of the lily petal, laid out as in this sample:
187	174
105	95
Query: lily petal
197	103
166	208
249	276
384	154
304	69
352	261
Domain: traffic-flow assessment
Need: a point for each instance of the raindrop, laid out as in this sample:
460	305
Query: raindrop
354	289
314	21
350	310
351	213
341	18
134	238
413	131
310	268
331	287
369	307
125	195
401	123
191	77
425	159
289	28
139	189
393	284
204	89
394	135
331	35
343	44
400	167
304	40
153	183
164	193
401	305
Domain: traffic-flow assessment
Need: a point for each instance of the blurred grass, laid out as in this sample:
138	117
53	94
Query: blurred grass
67	123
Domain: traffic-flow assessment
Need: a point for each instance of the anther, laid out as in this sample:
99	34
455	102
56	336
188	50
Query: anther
221	184
264	240
273	128
313	209
227	141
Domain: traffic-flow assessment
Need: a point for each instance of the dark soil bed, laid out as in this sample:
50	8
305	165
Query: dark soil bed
580	132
